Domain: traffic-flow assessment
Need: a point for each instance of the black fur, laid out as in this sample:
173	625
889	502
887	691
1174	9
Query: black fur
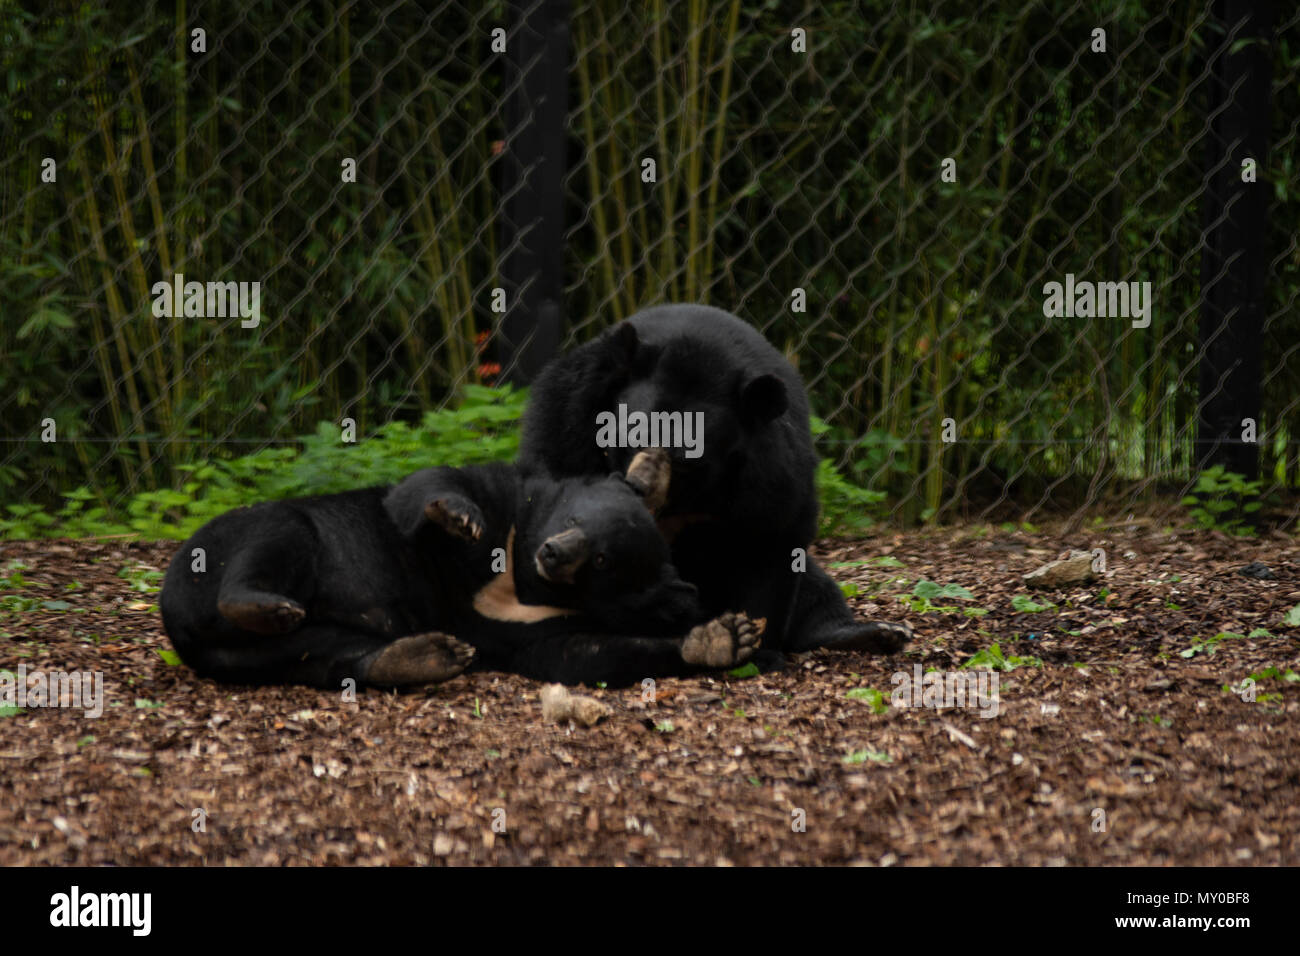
736	513
317	590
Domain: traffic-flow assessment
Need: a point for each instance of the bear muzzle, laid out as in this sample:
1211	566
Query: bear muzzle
561	555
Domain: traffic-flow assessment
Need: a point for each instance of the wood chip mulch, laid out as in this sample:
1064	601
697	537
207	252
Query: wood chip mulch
1121	748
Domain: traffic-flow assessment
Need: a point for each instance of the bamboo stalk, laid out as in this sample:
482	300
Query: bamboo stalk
100	343
29	213
603	243
116	311
462	291
182	131
432	253
719	132
157	383
663	180
691	131
160	226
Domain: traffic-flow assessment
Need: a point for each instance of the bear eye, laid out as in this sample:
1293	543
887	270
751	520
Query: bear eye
601	561
570	522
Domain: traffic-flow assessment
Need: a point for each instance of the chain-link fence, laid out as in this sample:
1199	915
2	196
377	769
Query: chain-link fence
886	189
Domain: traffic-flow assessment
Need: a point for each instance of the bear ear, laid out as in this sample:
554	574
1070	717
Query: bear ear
763	398
623	340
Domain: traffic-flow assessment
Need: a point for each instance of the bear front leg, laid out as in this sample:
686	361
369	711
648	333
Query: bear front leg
729	640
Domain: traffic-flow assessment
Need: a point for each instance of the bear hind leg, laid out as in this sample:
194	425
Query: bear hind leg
822	619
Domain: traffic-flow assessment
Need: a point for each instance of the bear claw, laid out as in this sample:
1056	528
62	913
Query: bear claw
456	516
726	641
419	659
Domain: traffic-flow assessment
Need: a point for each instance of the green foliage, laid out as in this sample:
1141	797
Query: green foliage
845	508
929	589
1272	672
483	428
992	658
874	698
13	579
925	592
142	580
1027	605
1222	499
1210	645
385	328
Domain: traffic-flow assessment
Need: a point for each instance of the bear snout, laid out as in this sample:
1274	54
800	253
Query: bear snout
561	555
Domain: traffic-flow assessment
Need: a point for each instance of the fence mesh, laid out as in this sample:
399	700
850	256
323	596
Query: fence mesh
883	188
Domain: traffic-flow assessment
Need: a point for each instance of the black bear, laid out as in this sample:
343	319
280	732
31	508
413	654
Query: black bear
742	498
560	580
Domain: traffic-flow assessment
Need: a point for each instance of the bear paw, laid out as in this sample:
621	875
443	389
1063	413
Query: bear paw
419	659
458	516
875	637
726	641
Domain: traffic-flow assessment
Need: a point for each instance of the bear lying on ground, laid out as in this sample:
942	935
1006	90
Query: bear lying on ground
560	580
743	496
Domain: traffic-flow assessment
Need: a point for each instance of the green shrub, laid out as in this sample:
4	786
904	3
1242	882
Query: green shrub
483	428
1222	499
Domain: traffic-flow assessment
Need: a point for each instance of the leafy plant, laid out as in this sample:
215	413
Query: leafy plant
845	508
993	659
1221	500
483	428
141	579
1027	605
1210	645
1272	672
925	592
874	698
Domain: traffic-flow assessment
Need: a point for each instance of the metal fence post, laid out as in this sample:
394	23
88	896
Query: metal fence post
536	108
1236	218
